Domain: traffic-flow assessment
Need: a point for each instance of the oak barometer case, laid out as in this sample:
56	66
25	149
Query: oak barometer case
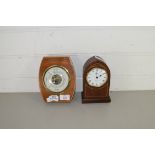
57	79
96	81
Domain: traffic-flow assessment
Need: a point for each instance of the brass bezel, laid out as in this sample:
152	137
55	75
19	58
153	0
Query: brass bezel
62	67
103	83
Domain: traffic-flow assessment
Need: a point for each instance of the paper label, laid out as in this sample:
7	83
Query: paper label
53	98
65	97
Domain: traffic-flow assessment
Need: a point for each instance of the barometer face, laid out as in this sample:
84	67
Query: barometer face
97	77
56	79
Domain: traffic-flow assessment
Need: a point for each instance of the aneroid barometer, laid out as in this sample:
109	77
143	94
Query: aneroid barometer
96	81
57	79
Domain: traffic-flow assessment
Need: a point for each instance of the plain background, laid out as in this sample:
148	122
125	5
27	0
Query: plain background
73	13
128	51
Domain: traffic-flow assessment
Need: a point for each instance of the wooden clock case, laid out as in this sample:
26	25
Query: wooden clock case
64	62
95	94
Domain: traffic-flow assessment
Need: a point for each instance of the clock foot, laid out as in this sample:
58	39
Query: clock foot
95	99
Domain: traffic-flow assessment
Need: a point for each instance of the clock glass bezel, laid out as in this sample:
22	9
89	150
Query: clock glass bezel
90	71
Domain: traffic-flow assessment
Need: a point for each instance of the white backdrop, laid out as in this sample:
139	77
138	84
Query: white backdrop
129	52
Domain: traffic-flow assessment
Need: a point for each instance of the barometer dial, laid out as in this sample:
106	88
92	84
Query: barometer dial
56	79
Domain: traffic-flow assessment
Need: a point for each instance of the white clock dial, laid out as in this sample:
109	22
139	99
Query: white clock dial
56	79
97	77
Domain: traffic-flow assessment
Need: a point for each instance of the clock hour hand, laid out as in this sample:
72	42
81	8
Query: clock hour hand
97	75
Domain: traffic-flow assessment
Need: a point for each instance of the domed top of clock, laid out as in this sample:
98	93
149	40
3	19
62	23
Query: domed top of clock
96	81
94	60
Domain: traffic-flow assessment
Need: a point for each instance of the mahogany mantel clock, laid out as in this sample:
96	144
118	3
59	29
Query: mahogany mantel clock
57	79
96	81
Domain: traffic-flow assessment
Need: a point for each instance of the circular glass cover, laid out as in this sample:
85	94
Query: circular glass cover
97	77
56	79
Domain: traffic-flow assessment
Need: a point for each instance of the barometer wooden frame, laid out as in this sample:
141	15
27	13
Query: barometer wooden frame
62	62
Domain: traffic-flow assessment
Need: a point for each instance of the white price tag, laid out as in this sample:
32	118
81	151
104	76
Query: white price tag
65	97
53	98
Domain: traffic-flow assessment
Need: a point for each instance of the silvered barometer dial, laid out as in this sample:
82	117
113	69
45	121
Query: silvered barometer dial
97	77
56	79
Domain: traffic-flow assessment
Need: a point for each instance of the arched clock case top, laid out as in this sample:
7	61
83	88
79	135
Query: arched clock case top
95	91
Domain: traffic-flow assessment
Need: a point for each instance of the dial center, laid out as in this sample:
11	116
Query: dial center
56	79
